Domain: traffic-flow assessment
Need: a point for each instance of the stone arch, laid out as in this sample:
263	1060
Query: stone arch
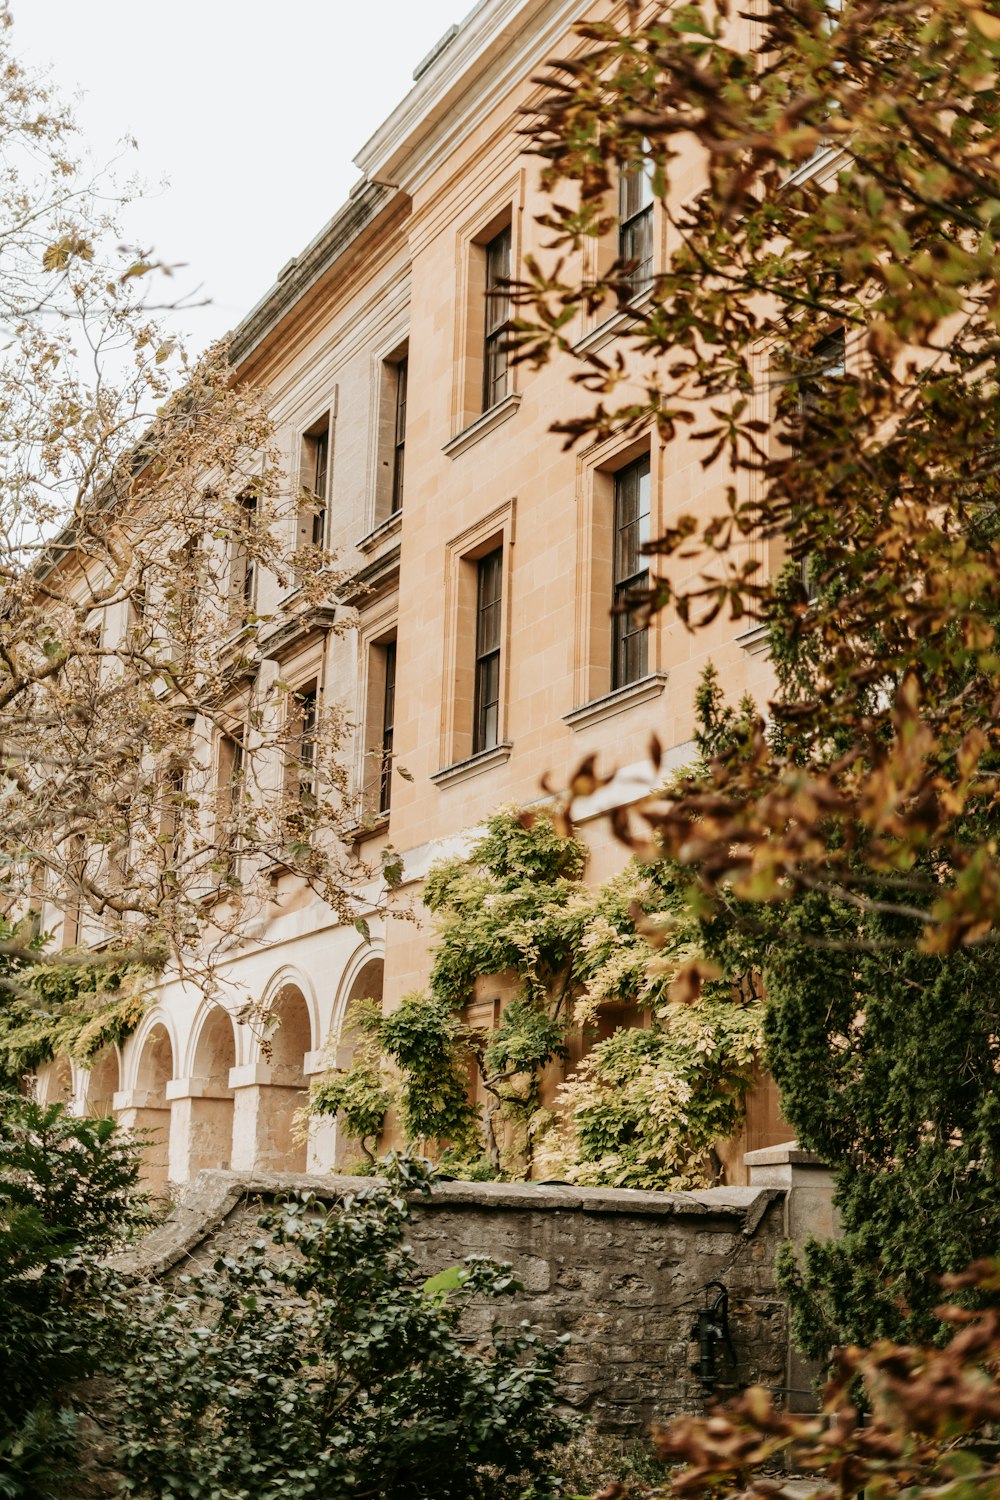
148	1109
202	1115
102	1082
265	1132
363	980
289	980
54	1082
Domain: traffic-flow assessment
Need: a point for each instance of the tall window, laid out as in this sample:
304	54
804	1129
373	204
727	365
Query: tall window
630	657
320	455
399	437
497	319
388	726
231	793
635	226
486	723
826	360
244	573
307	716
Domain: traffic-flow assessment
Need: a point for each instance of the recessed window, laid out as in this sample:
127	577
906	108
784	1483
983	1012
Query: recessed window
399	437
486	720
495	358
388	728
630	573
315	487
826	360
230	796
243	589
635	226
305	722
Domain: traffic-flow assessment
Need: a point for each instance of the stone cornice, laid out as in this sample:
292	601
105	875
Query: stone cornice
498	46
368	201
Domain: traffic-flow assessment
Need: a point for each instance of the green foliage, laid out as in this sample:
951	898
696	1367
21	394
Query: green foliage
70	1006
889	1068
329	1370
424	1039
646	1105
67	1195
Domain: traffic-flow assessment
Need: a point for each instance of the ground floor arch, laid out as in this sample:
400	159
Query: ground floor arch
268	1134
102	1081
145	1108
202	1104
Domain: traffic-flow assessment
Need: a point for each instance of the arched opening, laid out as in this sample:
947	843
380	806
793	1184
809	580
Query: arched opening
366	985
54	1082
103	1084
207	1113
266	1134
150	1111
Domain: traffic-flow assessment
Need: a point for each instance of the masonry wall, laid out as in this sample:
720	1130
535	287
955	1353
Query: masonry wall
621	1272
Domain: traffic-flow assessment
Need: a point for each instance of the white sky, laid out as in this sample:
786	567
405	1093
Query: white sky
249	113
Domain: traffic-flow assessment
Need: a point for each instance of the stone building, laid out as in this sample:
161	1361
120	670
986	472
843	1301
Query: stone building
484	654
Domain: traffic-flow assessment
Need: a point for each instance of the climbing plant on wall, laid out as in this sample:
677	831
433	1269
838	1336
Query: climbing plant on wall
70	1005
647	1102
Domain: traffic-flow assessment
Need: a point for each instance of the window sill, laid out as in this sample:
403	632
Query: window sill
367	828
463	769
482	425
755	641
617	702
381	533
622	320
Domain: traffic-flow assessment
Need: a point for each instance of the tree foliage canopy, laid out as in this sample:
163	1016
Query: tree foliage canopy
851	194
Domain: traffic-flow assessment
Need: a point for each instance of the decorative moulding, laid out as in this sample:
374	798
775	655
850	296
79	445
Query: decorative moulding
500	43
754	641
463	769
381	533
482	425
617	702
622	320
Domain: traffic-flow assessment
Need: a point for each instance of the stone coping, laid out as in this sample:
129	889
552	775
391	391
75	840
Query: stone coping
207	1202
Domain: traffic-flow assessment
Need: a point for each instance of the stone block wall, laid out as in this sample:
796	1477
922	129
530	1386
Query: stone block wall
621	1272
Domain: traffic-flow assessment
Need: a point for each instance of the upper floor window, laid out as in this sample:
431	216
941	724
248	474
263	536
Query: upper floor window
635	226
312	529
630	573
243	589
399	436
388	728
495	359
306	723
486	720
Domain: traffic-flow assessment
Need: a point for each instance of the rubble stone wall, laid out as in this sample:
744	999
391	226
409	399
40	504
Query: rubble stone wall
622	1272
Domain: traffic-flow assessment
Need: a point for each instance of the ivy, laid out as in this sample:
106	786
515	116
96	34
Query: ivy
645	1106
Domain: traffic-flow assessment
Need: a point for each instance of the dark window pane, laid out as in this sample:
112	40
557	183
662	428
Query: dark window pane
388	725
630	573
402	372
486	722
635	232
498	267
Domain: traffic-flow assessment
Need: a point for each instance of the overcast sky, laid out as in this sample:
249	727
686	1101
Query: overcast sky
247	116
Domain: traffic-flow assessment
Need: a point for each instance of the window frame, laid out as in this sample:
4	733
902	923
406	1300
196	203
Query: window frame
628	491
498	255
402	372
489	640
636	229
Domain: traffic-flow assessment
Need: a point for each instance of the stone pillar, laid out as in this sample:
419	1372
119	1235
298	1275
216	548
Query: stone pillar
142	1112
264	1134
809	1213
201	1128
321	1146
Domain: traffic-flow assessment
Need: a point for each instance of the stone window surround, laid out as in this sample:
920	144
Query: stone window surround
592	635
505	205
497	529
375	629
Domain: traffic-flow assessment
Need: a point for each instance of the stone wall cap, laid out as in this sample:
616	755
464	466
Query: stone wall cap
790	1153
